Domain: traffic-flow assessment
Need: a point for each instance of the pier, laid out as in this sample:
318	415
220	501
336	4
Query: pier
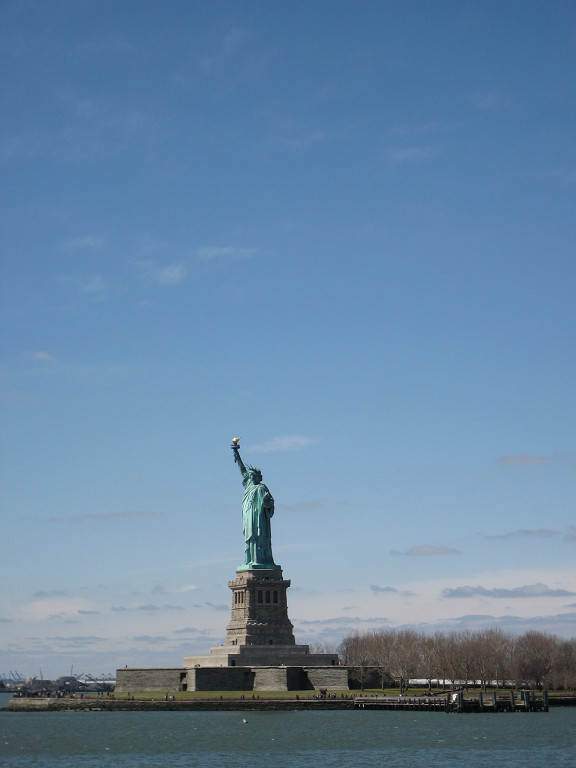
521	701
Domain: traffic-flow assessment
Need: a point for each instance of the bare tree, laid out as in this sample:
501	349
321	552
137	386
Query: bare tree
497	654
405	656
492	649
490	656
452	660
564	671
428	659
467	653
323	647
355	653
534	657
440	657
381	647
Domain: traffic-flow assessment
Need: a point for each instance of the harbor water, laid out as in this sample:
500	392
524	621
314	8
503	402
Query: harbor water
293	739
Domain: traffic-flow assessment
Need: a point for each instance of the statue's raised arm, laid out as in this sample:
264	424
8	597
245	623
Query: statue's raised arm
236	448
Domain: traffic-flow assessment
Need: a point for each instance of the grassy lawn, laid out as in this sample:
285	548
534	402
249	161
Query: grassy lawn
227	695
282	695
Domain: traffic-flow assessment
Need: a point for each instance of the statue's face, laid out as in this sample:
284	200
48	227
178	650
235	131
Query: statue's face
256	477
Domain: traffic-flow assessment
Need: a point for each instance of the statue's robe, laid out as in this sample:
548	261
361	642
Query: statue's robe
257	509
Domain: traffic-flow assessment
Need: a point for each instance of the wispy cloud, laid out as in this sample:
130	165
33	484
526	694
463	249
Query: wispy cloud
226	49
285	443
304	143
77	641
225	253
313	506
489	99
42	356
571	535
523	460
82	243
147	608
561	623
377	589
104	517
347	621
408	131
389	590
214	606
526	533
99	125
15	398
426	550
55	608
103	47
402	155
94	285
529	590
91	128
50	365
234	40
42	594
164	274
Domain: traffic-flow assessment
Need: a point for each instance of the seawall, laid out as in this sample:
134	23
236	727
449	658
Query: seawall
38	704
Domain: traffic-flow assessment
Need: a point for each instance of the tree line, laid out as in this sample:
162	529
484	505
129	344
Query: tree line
486	657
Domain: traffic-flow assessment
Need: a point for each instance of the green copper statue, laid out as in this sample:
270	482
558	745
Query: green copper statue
257	509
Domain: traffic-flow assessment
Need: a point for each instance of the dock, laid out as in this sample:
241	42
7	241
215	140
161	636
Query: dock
511	701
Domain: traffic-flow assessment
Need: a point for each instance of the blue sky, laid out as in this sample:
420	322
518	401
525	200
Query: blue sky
344	231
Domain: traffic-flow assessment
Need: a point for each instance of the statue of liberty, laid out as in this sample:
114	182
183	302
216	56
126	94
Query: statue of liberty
257	509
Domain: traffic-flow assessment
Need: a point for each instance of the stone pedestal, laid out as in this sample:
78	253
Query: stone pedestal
258	654
259	633
259	610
